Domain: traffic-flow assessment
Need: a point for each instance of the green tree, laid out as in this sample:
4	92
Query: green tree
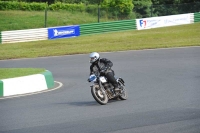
142	8
189	1
171	7
119	8
159	2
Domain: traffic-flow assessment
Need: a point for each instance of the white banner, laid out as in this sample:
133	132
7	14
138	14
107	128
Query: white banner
155	22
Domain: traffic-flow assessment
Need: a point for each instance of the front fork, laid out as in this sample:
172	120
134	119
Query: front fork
101	87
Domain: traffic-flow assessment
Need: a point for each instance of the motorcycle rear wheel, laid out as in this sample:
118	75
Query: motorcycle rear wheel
98	95
123	94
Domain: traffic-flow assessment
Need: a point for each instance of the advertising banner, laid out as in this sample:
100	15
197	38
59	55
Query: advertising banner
155	22
63	32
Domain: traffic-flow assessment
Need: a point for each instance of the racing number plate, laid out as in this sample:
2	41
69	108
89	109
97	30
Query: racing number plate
102	79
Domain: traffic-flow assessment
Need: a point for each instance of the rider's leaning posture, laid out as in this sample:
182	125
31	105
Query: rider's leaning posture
103	66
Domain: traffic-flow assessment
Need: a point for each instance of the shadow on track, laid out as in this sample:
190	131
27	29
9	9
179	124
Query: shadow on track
84	103
92	103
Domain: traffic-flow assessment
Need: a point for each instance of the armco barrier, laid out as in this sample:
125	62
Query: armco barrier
191	18
107	27
0	38
26	84
24	35
197	17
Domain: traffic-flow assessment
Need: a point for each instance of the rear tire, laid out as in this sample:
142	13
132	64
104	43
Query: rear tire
98	95
123	95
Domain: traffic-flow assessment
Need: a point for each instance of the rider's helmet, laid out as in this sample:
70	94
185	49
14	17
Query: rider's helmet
94	57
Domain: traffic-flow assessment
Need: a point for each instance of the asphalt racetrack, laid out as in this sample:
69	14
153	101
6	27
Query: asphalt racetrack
163	95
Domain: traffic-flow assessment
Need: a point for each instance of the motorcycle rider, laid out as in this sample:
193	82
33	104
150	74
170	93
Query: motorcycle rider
103	66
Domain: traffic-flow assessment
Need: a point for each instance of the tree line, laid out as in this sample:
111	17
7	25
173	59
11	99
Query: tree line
122	9
154	2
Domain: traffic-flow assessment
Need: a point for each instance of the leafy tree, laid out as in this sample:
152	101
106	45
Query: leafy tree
159	2
120	8
171	7
189	1
79	1
142	8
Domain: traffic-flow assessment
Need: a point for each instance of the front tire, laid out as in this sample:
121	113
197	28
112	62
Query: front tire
98	95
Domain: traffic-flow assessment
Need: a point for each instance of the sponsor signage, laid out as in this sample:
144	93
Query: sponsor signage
149	23
154	22
63	32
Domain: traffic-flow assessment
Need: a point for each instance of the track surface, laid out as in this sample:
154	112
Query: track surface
163	87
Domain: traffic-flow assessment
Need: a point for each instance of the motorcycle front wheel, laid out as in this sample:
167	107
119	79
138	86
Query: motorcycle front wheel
98	95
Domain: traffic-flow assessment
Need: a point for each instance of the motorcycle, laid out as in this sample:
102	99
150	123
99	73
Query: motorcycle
103	91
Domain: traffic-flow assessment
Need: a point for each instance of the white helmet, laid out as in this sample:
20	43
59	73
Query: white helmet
94	57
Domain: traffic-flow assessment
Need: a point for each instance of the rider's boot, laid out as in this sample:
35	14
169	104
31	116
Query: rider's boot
113	93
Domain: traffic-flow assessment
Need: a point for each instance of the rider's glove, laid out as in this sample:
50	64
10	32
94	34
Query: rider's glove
103	71
89	80
108	68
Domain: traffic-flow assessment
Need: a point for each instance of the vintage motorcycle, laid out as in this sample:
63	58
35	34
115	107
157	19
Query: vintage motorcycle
102	90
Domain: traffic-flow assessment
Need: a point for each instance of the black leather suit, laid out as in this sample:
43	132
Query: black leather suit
104	64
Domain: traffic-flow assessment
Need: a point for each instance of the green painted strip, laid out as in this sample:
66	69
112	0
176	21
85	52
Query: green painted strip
103	27
197	17
0	38
49	79
1	88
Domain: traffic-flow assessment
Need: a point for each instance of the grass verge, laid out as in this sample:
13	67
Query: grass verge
18	72
36	19
175	36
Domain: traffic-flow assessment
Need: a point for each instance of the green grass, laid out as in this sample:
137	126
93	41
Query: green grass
18	20
175	36
18	72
